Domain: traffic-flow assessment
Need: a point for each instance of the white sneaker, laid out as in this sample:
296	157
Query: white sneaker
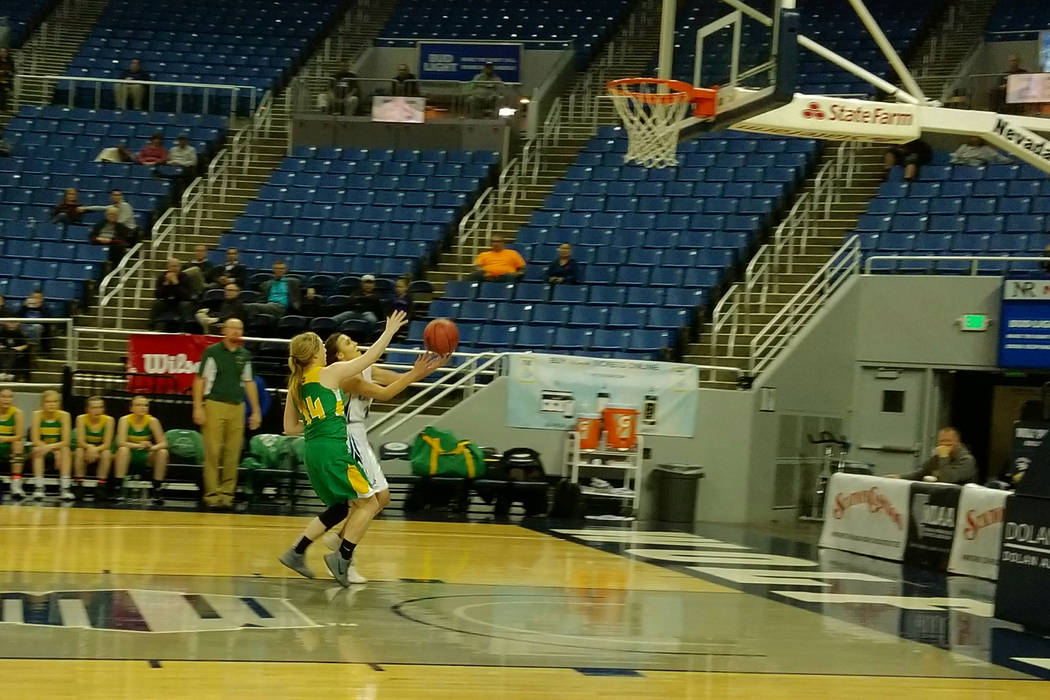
66	495
332	540
38	493
16	490
352	576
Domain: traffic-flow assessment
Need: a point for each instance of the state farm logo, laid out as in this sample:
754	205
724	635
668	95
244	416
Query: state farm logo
813	111
875	501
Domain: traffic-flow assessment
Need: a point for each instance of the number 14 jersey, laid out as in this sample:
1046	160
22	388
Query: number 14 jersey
321	409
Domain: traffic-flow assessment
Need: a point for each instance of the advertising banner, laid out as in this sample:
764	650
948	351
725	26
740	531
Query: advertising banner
1024	562
1024	326
867	515
978	532
449	60
838	119
551	391
931	524
170	360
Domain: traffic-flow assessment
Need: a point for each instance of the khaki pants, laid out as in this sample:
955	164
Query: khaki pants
223	433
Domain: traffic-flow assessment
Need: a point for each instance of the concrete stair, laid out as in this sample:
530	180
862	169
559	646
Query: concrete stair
828	235
942	54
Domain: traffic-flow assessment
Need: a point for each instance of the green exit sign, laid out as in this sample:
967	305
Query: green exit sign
975	322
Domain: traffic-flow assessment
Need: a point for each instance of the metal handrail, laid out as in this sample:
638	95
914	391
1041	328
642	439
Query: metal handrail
479	218
234	90
467	380
972	259
775	335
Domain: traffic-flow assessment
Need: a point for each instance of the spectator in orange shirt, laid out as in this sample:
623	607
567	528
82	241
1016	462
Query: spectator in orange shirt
154	153
499	264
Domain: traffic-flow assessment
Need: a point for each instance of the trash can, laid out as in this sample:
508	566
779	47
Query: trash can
674	486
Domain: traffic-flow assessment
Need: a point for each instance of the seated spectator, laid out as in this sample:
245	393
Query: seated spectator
7	76
343	93
115	154
198	269
404	83
313	303
976	152
230	272
154	153
911	155
183	155
364	305
125	212
484	92
14	350
563	270
281	294
133	88
69	210
1013	67
111	232
231	307
951	462
33	307
171	307
402	300
500	264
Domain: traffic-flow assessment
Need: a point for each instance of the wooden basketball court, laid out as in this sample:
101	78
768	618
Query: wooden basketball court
153	604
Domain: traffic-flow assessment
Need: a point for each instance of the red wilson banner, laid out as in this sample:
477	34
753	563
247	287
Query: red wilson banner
165	364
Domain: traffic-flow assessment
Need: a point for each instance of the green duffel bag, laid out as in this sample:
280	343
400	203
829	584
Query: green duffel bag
440	453
251	464
185	445
270	449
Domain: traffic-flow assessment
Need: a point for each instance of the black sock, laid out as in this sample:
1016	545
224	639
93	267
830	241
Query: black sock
302	544
157	485
118	483
346	549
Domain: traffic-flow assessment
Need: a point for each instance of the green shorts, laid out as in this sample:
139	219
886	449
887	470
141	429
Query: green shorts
333	473
139	459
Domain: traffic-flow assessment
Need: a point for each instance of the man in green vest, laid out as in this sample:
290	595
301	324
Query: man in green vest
223	379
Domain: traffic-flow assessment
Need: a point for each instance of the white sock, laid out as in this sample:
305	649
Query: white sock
64	481
16	485
39	482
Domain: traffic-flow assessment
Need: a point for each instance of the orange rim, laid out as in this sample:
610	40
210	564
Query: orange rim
679	91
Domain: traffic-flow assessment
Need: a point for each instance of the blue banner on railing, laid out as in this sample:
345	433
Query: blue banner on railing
1024	325
462	61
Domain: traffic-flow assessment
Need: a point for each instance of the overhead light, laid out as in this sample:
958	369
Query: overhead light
524	100
507	111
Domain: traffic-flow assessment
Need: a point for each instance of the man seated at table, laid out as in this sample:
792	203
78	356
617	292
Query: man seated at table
951	462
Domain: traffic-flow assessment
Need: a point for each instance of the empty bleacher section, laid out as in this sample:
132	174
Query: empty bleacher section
54	149
548	23
253	43
832	23
1017	20
655	245
23	16
334	213
995	210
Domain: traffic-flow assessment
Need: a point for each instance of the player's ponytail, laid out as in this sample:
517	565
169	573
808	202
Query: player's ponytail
301	353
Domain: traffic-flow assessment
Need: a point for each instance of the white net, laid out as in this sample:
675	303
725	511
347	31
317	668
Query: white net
652	128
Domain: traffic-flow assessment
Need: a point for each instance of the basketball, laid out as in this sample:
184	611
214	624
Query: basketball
441	336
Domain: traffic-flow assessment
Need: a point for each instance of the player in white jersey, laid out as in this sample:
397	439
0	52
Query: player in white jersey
360	390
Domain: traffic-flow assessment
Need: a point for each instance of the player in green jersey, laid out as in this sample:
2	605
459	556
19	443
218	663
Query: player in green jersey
315	409
93	432
50	432
12	440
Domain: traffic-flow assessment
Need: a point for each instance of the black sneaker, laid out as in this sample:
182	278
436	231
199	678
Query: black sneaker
157	495
78	492
100	494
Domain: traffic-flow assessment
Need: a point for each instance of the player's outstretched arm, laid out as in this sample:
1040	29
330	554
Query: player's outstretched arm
336	373
390	384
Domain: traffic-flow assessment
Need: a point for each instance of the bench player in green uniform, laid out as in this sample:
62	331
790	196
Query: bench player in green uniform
50	432
141	443
94	439
315	409
12	440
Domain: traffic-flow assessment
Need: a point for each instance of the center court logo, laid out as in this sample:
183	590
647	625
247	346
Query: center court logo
151	611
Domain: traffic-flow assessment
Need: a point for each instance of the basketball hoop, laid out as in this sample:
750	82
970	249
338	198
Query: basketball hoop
653	111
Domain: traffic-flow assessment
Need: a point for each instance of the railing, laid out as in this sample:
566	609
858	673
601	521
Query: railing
462	378
224	171
477	226
731	317
451	95
185	94
767	343
974	260
66	322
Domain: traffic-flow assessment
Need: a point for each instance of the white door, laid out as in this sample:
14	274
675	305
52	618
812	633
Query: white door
889	418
